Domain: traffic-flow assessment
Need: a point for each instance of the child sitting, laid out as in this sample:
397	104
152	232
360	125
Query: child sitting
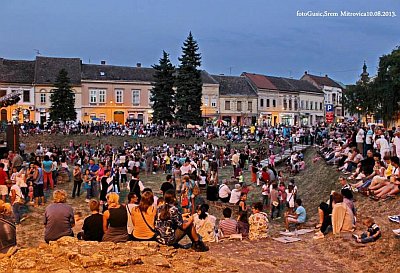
372	234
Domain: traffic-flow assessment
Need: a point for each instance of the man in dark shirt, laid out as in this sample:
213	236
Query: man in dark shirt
167	185
93	225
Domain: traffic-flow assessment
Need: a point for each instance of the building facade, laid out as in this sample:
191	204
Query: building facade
332	90
286	101
237	100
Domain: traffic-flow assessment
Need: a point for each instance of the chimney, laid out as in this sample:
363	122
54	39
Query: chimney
305	73
103	62
326	75
138	64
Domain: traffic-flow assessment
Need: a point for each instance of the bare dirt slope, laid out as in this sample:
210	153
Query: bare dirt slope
332	254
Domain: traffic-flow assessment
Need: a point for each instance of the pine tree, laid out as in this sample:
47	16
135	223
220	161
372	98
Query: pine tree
163	92
189	84
62	99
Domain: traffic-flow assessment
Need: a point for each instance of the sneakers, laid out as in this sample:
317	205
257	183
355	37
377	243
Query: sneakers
199	246
318	235
395	218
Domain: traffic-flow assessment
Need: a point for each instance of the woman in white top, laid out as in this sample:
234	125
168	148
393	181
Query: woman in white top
132	203
204	224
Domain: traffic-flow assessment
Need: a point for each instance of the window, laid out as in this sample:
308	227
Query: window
151	103
311	105
213	102
26	96
119	95
334	99
295	105
239	106
93	96
92	115
316	105
284	104
102	96
307	104
267	102
227	105
135	97
302	104
102	116
262	103
42	98
320	106
273	103
290	104
250	106
205	102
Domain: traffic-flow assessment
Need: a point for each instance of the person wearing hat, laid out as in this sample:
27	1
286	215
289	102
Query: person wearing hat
235	194
396	142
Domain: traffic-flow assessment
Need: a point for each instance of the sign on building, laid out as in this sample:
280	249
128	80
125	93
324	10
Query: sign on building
329	113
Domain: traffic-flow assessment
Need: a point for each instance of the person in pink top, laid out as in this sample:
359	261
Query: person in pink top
272	159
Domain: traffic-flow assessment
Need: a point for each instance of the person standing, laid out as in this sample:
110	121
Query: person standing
16	199
360	140
3	179
77	174
47	167
38	184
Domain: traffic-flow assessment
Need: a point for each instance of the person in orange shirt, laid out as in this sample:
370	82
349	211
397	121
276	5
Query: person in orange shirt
143	217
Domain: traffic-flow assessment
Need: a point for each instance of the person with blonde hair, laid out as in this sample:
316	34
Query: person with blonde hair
115	220
8	232
58	218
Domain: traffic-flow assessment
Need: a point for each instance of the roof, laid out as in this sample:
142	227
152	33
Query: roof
117	73
302	85
260	81
234	85
281	84
322	81
207	78
16	71
48	68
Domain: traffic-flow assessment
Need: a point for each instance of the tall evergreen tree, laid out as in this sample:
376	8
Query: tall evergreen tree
163	92
62	99
189	84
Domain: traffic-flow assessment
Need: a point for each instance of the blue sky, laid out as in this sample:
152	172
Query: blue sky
260	36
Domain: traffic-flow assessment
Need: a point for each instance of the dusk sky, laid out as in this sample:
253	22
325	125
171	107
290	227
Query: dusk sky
260	36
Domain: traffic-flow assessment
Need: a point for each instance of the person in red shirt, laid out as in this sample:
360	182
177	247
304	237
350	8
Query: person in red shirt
3	179
264	175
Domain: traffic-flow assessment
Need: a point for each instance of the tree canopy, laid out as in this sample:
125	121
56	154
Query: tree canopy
189	84
162	94
62	99
381	95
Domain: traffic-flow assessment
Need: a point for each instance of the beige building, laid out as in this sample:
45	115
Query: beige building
237	100
46	72
17	76
279	100
116	93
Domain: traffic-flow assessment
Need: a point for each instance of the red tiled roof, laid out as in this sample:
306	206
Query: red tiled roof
323	81
260	81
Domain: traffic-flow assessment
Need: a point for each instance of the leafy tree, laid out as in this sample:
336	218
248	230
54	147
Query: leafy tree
163	92
62	99
189	84
387	86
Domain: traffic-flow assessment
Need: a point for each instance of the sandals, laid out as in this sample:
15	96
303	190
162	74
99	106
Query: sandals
375	198
388	197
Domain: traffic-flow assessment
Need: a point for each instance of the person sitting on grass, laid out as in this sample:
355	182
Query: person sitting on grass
227	226
258	222
171	226
372	234
298	217
93	224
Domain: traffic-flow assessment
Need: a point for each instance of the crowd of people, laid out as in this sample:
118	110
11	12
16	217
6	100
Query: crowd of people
368	159
104	173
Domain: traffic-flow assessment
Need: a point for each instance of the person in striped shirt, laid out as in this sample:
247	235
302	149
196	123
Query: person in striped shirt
227	226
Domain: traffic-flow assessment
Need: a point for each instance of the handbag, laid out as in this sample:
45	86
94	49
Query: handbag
157	235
